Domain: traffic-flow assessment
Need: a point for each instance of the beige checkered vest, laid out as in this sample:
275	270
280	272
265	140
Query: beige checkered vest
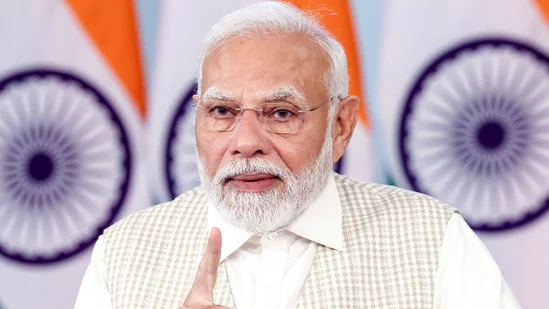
392	239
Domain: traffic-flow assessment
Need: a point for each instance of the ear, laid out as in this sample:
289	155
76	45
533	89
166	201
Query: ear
344	123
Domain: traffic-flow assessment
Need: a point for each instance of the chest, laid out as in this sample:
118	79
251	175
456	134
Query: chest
364	275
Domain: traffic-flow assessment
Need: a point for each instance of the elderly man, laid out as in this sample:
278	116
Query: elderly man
272	226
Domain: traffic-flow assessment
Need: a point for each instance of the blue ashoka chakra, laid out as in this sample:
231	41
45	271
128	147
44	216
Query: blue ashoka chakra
64	165
180	161
475	132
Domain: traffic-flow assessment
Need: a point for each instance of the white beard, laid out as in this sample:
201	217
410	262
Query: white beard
272	210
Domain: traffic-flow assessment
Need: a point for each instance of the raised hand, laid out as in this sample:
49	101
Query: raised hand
201	294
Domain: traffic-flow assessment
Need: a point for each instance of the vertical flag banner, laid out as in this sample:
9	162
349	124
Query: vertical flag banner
71	113
464	101
183	26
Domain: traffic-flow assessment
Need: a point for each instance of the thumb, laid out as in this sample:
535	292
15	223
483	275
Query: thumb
201	292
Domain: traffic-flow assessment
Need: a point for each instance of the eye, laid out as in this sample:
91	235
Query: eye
221	111
280	112
283	114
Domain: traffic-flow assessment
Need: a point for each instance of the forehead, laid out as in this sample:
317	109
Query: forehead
260	66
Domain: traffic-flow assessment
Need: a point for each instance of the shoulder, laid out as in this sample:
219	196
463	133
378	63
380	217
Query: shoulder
379	198
381	217
186	208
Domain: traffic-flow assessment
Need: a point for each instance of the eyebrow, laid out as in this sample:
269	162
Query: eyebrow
285	94
214	93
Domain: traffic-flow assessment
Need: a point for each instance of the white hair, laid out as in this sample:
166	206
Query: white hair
271	18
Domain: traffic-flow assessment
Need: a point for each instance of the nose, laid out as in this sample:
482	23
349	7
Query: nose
249	136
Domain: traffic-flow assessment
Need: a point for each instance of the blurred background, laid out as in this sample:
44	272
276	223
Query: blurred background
96	122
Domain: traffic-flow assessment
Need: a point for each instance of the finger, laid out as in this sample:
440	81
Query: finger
211	307
201	292
207	270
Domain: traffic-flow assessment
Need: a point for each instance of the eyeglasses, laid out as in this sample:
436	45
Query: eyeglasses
279	117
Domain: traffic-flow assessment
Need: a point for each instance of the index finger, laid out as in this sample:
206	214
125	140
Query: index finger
202	289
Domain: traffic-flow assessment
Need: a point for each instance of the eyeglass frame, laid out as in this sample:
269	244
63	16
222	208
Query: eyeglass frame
259	113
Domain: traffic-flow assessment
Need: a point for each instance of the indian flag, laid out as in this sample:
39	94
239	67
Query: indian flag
464	106
71	141
182	28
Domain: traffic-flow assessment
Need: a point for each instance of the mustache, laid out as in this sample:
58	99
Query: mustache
249	166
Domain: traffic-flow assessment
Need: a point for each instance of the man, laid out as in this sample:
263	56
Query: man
272	114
